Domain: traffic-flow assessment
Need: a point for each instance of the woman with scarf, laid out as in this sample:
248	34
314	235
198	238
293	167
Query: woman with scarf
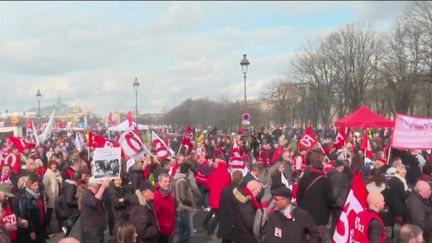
32	207
52	181
245	207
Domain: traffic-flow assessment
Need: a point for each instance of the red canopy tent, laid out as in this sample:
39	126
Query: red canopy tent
364	118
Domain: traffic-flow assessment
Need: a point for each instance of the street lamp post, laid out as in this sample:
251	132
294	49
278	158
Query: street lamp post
244	65
136	85
39	97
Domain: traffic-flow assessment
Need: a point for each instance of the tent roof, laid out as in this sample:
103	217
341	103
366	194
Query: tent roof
364	118
124	126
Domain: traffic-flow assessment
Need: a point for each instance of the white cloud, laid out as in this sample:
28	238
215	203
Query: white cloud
189	50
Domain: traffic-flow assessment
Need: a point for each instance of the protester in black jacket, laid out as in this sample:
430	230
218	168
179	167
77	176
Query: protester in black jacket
315	187
289	224
117	203
142	214
226	210
32	207
245	208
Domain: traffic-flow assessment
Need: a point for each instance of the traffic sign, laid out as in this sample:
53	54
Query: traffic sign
246	117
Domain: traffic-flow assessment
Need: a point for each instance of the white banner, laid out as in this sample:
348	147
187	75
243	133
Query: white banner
106	163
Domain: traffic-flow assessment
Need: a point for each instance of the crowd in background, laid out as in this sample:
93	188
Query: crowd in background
289	193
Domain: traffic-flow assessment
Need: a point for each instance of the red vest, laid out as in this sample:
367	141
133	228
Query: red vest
361	226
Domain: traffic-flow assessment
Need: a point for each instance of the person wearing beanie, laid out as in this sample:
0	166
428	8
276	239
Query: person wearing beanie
289	223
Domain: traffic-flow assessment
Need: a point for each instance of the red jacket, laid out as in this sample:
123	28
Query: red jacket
216	182
165	212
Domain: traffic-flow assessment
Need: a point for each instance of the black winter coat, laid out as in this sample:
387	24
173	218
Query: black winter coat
244	217
69	194
318	200
29	209
143	218
280	229
134	178
226	212
117	209
396	196
413	170
418	213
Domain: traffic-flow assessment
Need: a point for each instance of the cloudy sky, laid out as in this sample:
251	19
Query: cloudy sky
89	53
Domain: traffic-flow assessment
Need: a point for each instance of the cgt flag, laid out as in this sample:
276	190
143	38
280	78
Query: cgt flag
340	138
307	140
95	141
160	147
20	143
355	203
132	145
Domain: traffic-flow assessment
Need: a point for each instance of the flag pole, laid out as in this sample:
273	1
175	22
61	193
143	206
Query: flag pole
319	144
181	145
388	156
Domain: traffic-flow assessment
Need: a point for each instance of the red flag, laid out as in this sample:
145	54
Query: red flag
29	124
96	141
307	140
61	124
365	145
20	143
355	203
340	139
113	122
188	137
129	118
9	158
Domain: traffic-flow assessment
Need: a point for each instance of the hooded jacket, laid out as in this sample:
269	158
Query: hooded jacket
216	182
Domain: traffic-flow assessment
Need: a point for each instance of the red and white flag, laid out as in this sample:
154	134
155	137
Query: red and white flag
20	143
307	140
7	157
132	145
366	146
236	160
340	139
355	203
188	137
95	141
129	118
112	122
160	147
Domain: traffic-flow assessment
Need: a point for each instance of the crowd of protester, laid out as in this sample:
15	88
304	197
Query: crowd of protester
289	194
